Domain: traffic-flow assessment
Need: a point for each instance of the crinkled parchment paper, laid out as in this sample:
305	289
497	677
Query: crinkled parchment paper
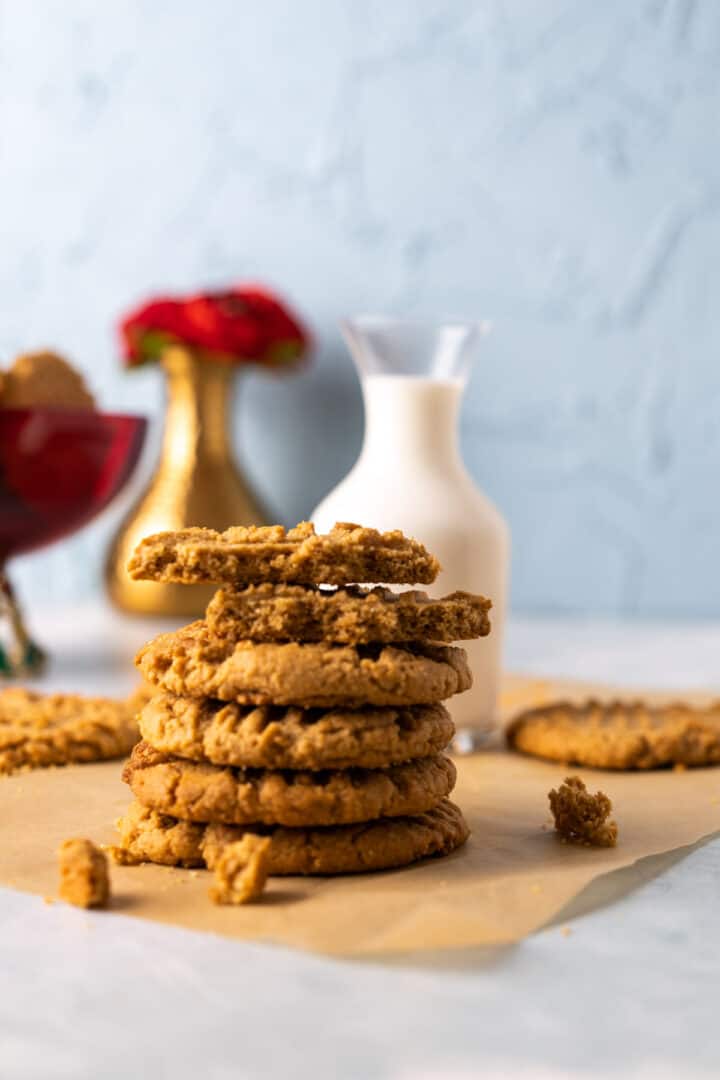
511	877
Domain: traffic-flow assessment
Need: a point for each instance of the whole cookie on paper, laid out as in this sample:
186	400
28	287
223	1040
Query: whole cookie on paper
147	836
255	554
350	615
200	792
38	730
288	737
193	662
619	734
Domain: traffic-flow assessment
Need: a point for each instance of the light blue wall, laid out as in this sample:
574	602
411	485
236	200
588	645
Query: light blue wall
550	165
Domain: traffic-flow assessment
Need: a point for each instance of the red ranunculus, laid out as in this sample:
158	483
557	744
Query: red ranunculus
244	325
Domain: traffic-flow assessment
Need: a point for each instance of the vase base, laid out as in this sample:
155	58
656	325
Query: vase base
197	483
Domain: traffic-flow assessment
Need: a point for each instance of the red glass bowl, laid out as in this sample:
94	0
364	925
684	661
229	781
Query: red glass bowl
58	469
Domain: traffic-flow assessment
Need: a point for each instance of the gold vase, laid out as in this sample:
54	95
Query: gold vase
196	483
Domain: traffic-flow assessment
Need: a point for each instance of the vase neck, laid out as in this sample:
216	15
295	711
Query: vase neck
196	423
411	421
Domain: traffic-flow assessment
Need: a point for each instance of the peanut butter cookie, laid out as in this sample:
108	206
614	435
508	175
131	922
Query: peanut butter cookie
199	792
349	615
619	734
147	836
240	556
44	380
193	662
56	729
287	737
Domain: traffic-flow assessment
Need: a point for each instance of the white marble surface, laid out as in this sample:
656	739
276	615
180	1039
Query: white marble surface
632	991
548	164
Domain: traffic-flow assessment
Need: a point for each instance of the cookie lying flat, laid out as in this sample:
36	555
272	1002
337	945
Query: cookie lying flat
286	737
192	662
146	836
619	735
240	556
199	792
351	615
38	730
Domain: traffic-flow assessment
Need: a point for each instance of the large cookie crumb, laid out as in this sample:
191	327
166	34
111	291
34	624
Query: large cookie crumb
580	817
242	870
84	879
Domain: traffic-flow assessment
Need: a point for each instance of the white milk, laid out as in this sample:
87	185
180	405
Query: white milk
410	476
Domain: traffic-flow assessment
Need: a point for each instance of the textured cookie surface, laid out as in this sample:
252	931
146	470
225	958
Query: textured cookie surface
56	729
619	734
580	817
192	662
348	553
287	737
199	792
350	615
147	836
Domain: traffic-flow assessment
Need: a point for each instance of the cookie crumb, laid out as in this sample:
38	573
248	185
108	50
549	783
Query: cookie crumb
241	871
581	817
566	931
84	879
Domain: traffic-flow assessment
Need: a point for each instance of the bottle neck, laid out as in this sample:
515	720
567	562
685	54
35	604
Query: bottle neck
196	422
411	420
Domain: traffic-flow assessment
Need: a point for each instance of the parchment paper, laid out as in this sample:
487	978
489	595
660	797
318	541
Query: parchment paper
511	877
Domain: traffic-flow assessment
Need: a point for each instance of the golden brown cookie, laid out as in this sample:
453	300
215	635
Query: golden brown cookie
84	879
287	737
619	734
350	615
199	792
57	729
240	556
191	662
582	818
146	836
44	380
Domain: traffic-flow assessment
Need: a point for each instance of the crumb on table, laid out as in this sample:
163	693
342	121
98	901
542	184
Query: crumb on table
580	817
241	871
84	879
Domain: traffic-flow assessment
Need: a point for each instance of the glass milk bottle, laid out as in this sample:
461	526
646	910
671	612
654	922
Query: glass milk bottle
410	476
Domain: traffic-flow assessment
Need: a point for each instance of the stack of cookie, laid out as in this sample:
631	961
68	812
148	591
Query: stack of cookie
301	707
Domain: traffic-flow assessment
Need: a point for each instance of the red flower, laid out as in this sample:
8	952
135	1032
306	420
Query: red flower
243	325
